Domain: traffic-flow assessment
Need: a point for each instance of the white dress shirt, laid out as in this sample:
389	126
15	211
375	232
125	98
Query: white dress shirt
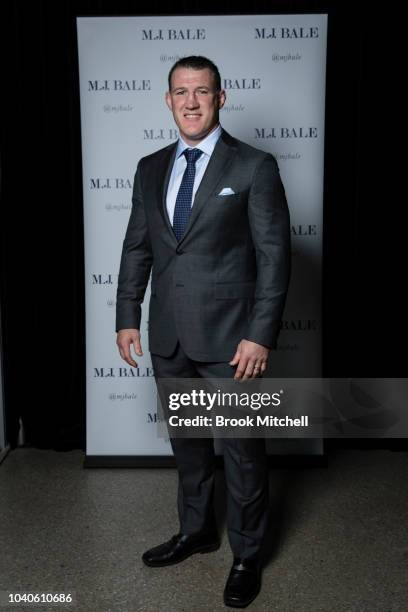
180	163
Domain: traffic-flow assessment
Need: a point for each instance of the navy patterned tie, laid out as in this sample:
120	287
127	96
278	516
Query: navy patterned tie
183	202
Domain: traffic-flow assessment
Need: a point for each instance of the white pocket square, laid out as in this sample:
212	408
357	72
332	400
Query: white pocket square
226	191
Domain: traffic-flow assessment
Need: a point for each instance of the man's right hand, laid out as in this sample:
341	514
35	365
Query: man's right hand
124	339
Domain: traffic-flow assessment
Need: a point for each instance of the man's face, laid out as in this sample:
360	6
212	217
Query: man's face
194	103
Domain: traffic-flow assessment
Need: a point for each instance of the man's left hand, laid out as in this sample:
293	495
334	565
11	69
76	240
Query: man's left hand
251	358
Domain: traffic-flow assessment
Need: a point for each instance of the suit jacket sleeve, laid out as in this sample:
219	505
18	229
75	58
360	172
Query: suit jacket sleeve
270	228
135	264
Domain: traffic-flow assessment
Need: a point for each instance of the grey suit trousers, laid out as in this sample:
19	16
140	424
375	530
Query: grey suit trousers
245	467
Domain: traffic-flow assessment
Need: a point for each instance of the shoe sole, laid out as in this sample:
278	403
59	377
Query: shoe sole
203	550
232	604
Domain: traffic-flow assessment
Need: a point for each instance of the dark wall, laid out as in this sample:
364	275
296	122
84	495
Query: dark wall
42	281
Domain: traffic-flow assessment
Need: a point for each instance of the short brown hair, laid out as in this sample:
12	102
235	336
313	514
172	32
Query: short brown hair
197	62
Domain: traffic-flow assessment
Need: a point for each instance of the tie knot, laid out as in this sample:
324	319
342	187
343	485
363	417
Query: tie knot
192	155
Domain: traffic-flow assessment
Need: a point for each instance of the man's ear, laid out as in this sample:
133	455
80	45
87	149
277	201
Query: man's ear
221	98
169	101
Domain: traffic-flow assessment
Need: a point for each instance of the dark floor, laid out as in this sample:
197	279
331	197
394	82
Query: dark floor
338	537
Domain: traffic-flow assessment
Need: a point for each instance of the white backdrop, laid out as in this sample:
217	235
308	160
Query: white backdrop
273	70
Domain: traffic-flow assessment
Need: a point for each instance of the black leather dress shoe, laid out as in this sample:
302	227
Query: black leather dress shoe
179	547
243	584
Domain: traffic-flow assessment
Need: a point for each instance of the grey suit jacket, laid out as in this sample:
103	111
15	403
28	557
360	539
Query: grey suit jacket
227	278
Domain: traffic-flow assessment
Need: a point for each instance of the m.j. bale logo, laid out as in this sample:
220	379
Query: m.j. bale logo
299	132
110	183
293	33
174	34
119	85
123	372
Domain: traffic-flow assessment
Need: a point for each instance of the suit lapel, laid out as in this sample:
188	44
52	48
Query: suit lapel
221	158
163	179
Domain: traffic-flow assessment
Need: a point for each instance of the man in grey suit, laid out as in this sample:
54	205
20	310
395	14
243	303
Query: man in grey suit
210	221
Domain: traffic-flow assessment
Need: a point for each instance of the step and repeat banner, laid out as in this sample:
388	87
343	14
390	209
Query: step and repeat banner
273	71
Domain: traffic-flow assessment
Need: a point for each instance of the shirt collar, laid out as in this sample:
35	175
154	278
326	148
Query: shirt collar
206	145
